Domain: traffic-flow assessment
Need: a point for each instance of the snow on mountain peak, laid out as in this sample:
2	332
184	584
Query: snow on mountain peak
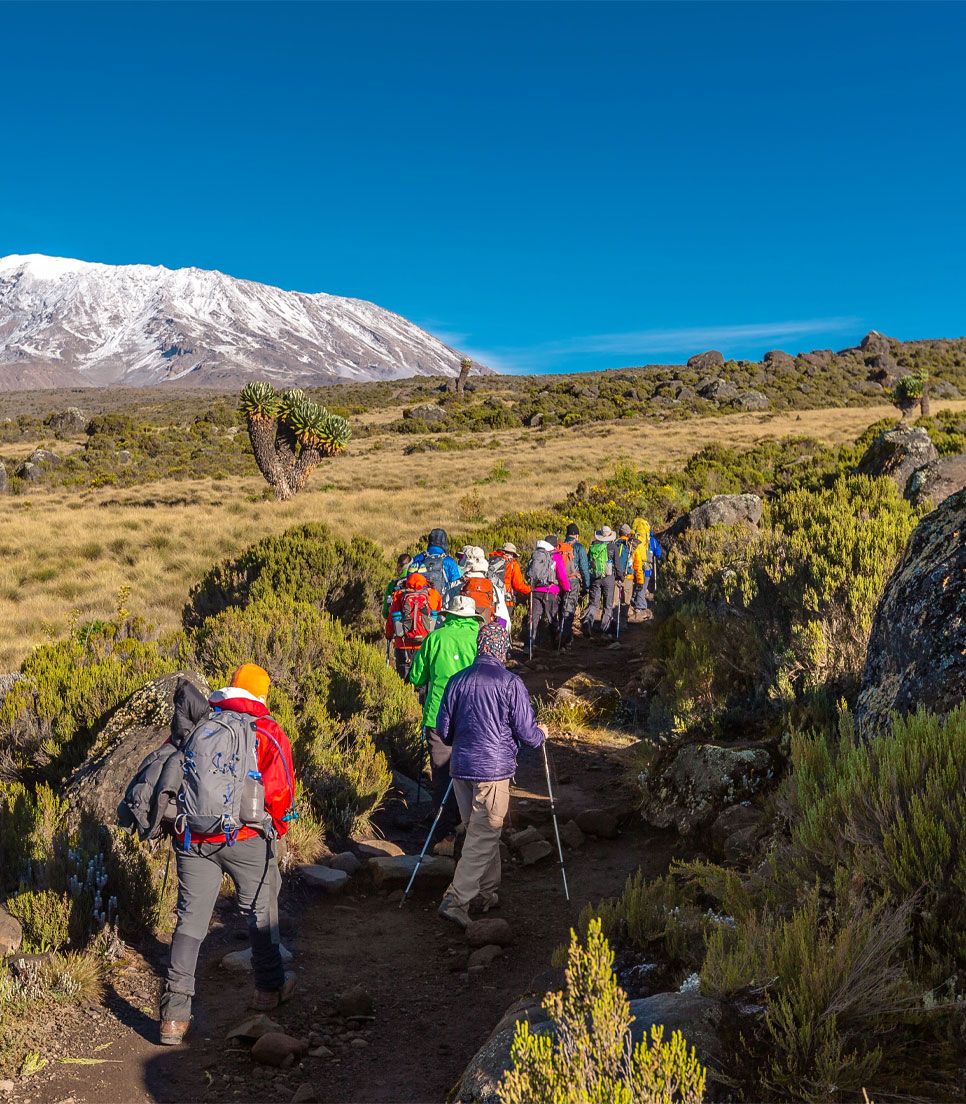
76	323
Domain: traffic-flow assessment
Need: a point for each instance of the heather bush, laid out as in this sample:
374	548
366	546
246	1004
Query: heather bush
344	578
45	917
587	1055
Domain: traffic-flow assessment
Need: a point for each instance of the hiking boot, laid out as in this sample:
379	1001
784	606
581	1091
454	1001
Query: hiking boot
173	1031
265	1000
458	914
491	902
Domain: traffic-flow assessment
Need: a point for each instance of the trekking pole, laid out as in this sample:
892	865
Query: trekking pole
530	625
618	594
553	813
439	813
419	772
388	646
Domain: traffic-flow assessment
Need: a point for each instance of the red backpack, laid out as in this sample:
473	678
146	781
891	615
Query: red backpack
481	591
566	549
416	614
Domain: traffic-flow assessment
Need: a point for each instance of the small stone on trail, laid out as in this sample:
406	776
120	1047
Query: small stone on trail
571	835
242	960
534	852
484	956
445	847
390	871
355	1002
489	930
396	896
7	1086
519	840
274	1047
598	822
373	848
359	1043
321	1052
305	1094
323	877
253	1027
345	861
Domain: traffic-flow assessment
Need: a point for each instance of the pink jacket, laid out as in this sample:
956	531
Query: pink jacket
560	565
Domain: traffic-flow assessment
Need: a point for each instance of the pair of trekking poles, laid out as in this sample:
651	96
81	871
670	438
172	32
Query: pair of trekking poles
439	813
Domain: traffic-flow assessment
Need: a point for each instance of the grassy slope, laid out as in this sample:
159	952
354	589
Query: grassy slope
71	549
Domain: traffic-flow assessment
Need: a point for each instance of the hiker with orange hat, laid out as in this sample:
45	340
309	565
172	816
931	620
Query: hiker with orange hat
414	612
236	799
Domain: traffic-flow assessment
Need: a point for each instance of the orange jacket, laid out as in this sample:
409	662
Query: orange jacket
415	581
513	580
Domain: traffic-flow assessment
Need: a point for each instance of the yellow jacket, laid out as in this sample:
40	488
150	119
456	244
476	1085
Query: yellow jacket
642	531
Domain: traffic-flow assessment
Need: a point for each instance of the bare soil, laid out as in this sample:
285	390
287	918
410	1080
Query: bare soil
430	1015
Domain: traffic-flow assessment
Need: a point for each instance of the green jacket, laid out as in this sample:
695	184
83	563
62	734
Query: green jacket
445	651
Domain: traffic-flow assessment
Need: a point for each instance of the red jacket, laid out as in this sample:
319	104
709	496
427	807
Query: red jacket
513	580
275	763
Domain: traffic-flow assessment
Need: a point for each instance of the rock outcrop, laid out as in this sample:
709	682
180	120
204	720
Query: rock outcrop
724	510
897	453
705	361
71	420
137	727
937	480
750	400
717	390
688	788
917	648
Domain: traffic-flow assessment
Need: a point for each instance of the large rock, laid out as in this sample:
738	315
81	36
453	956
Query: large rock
137	726
917	648
323	877
818	358
717	390
696	1017
429	413
44	456
602	698
603	823
778	358
71	420
874	342
394	871
897	453
30	473
703	362
725	510
689	788
750	400
937	480
11	933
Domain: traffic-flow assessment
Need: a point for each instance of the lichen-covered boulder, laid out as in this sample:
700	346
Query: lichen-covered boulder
689	786
703	361
137	726
725	510
897	453
750	400
917	648
937	480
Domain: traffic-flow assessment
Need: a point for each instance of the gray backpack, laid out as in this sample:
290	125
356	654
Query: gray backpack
222	789
541	570
496	571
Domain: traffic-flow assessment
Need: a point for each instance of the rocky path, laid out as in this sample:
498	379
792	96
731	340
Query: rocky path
426	1014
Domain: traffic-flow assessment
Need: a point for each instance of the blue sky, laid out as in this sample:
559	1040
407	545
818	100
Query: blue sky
548	186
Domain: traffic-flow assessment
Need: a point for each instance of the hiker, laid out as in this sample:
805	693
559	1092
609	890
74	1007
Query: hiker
444	652
394	584
578	572
246	853
623	558
503	564
441	570
603	581
547	575
485	716
478	585
413	614
645	553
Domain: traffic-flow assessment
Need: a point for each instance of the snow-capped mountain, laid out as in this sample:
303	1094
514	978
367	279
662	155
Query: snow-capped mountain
66	323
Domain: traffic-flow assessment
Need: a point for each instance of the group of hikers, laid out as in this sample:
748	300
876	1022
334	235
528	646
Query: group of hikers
617	570
223	783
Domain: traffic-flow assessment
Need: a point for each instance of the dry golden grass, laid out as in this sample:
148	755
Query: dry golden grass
66	550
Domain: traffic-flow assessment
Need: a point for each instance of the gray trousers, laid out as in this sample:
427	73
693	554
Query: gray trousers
601	592
252	867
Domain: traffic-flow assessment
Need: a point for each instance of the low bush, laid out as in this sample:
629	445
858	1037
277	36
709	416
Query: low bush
587	1054
345	578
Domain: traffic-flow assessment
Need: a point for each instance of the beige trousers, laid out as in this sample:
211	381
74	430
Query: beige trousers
483	808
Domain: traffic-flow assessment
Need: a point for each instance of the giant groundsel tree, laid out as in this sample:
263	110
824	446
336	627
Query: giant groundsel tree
290	435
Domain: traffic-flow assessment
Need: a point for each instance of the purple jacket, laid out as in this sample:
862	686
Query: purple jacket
485	714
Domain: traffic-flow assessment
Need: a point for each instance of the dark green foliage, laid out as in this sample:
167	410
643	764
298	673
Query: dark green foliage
346	578
947	430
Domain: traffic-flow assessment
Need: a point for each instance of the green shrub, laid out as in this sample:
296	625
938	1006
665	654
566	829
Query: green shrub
344	578
587	1057
45	918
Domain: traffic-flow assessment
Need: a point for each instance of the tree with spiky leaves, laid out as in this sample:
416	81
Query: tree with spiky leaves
465	365
290	435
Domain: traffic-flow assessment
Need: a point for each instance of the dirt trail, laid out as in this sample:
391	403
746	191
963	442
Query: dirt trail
429	1015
